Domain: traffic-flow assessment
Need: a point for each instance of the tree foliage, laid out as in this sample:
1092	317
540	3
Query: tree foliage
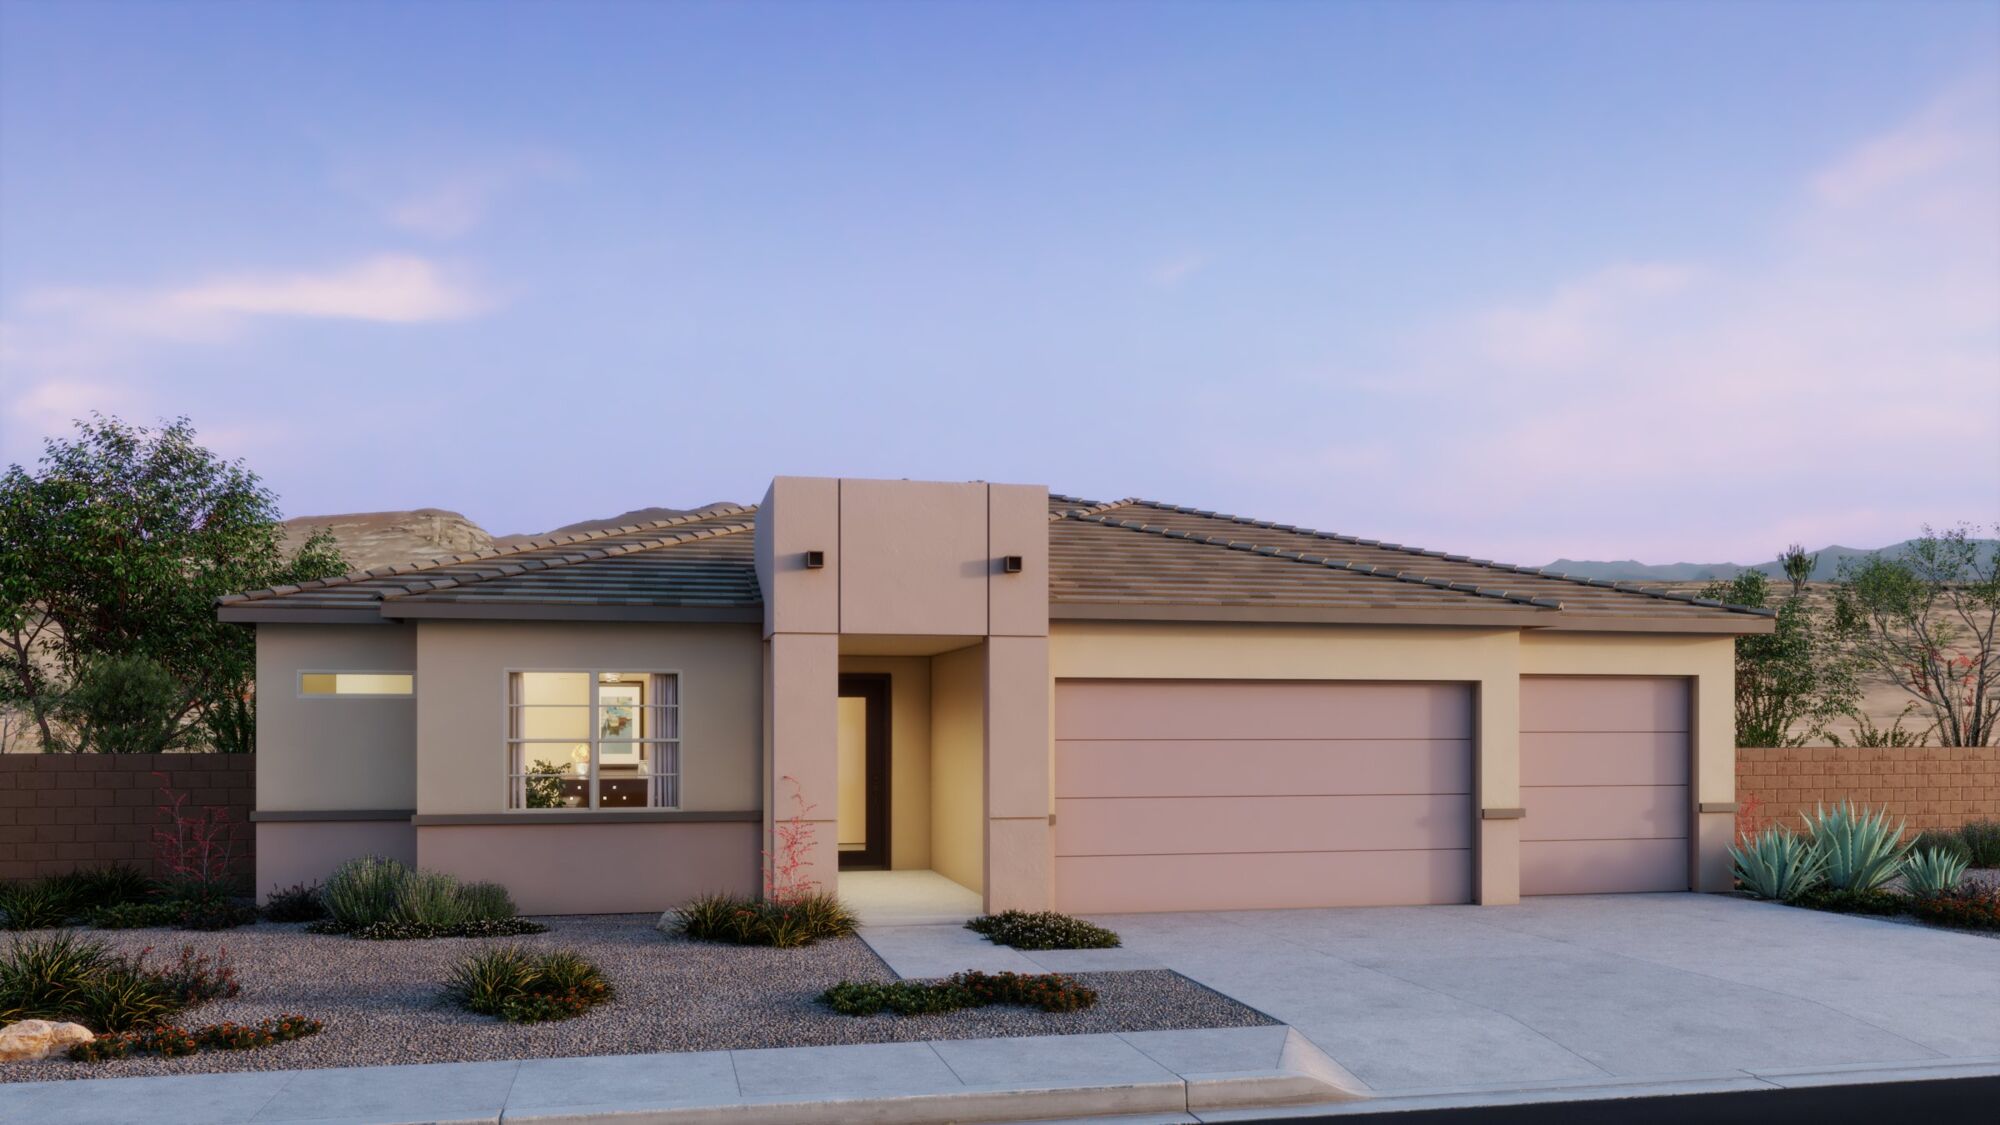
123	705
1790	682
117	545
1925	621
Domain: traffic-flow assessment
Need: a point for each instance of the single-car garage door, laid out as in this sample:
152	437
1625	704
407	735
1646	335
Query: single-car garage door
1237	795
1604	780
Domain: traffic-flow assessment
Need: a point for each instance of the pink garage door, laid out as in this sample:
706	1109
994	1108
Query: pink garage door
1604	778
1234	795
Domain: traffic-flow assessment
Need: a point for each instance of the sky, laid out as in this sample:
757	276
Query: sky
1665	281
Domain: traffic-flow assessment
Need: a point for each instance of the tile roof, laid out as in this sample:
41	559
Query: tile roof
1116	558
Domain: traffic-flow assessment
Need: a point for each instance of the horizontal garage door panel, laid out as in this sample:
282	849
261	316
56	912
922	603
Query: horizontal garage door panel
1113	884
1245	710
1235	768
1588	812
1163	826
1592	867
1603	703
1604	759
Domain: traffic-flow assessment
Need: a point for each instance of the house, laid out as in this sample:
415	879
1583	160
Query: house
1053	702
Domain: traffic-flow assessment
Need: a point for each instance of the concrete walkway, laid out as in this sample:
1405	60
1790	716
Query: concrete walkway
1162	1074
1560	992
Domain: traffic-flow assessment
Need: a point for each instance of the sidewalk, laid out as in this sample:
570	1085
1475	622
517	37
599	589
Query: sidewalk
1160	1073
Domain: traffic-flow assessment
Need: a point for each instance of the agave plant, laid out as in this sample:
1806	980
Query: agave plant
1859	848
1933	872
1779	864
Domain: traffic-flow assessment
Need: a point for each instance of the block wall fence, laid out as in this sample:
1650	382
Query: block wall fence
1930	787
60	812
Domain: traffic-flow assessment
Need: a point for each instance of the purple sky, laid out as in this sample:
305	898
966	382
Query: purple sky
1666	281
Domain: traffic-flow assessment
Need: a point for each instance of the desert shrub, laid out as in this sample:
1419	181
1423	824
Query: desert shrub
1050	992
1981	840
38	976
296	903
362	892
196	978
132	916
1043	929
487	902
116	885
208	905
416	931
66	977
1777	864
430	898
171	1042
1860	850
735	920
520	986
33	904
1875	901
1968	908
1933	872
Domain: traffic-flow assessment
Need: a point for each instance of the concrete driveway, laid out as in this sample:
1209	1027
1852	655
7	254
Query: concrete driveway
1585	990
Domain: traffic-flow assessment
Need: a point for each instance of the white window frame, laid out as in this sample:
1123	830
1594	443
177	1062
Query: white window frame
512	780
300	692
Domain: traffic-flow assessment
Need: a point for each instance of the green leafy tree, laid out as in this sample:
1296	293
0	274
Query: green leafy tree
1790	682
1925	621
1798	567
118	544
123	705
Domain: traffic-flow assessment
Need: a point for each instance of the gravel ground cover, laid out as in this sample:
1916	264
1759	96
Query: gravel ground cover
380	1000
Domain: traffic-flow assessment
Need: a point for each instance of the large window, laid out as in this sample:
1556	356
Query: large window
593	740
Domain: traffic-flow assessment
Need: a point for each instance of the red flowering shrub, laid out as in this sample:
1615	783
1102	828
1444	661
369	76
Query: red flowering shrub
1969	908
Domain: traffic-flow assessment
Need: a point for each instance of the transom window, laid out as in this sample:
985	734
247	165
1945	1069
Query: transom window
593	740
356	683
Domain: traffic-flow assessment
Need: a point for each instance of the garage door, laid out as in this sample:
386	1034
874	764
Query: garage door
1232	795
1604	780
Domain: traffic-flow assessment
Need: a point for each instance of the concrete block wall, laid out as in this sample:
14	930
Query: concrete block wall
1930	787
60	812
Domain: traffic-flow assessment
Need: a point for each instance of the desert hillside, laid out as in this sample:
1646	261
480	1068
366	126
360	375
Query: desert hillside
372	539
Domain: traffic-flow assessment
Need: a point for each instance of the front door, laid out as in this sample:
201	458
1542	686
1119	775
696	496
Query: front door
863	817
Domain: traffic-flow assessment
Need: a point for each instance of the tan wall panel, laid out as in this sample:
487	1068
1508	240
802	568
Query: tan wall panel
599	868
799	514
909	754
958	762
334	752
462	703
804	687
1019	525
292	852
914	557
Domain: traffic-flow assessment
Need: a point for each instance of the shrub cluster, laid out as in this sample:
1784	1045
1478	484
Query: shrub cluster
171	1042
520	986
1978	842
383	900
122	898
297	903
65	977
1050	992
786	924
1043	929
1972	908
1847	856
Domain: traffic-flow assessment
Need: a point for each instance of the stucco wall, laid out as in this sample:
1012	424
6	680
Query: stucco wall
909	754
334	752
462	669
958	762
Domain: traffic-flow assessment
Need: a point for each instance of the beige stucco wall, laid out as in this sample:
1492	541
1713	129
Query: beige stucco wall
1710	663
556	868
909	754
462	669
333	752
290	853
958	758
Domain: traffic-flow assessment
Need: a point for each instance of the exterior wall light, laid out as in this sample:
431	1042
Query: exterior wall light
1010	564
815	560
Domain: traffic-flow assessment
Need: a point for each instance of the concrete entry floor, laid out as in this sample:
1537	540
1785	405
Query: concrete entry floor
908	898
1575	991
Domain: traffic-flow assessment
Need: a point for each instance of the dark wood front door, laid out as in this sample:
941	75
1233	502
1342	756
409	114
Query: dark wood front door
863	818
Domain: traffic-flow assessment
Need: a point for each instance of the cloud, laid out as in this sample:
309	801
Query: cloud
1837	381
456	203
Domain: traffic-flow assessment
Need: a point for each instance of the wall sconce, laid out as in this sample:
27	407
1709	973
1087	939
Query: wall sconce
815	560
1010	564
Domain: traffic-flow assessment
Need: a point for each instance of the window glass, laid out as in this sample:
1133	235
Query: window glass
356	683
583	740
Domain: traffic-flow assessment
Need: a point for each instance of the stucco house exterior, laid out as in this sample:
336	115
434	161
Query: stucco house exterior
1054	702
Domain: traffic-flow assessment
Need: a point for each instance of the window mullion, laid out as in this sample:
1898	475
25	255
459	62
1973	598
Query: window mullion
595	782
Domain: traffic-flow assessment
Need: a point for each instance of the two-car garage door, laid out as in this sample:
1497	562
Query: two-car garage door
1231	795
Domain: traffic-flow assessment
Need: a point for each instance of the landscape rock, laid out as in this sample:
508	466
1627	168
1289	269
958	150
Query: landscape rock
29	1040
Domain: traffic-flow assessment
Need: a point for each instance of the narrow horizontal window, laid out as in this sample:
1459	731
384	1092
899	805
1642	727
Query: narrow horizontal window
356	683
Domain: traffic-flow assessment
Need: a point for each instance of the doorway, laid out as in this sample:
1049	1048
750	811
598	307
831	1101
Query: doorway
862	820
